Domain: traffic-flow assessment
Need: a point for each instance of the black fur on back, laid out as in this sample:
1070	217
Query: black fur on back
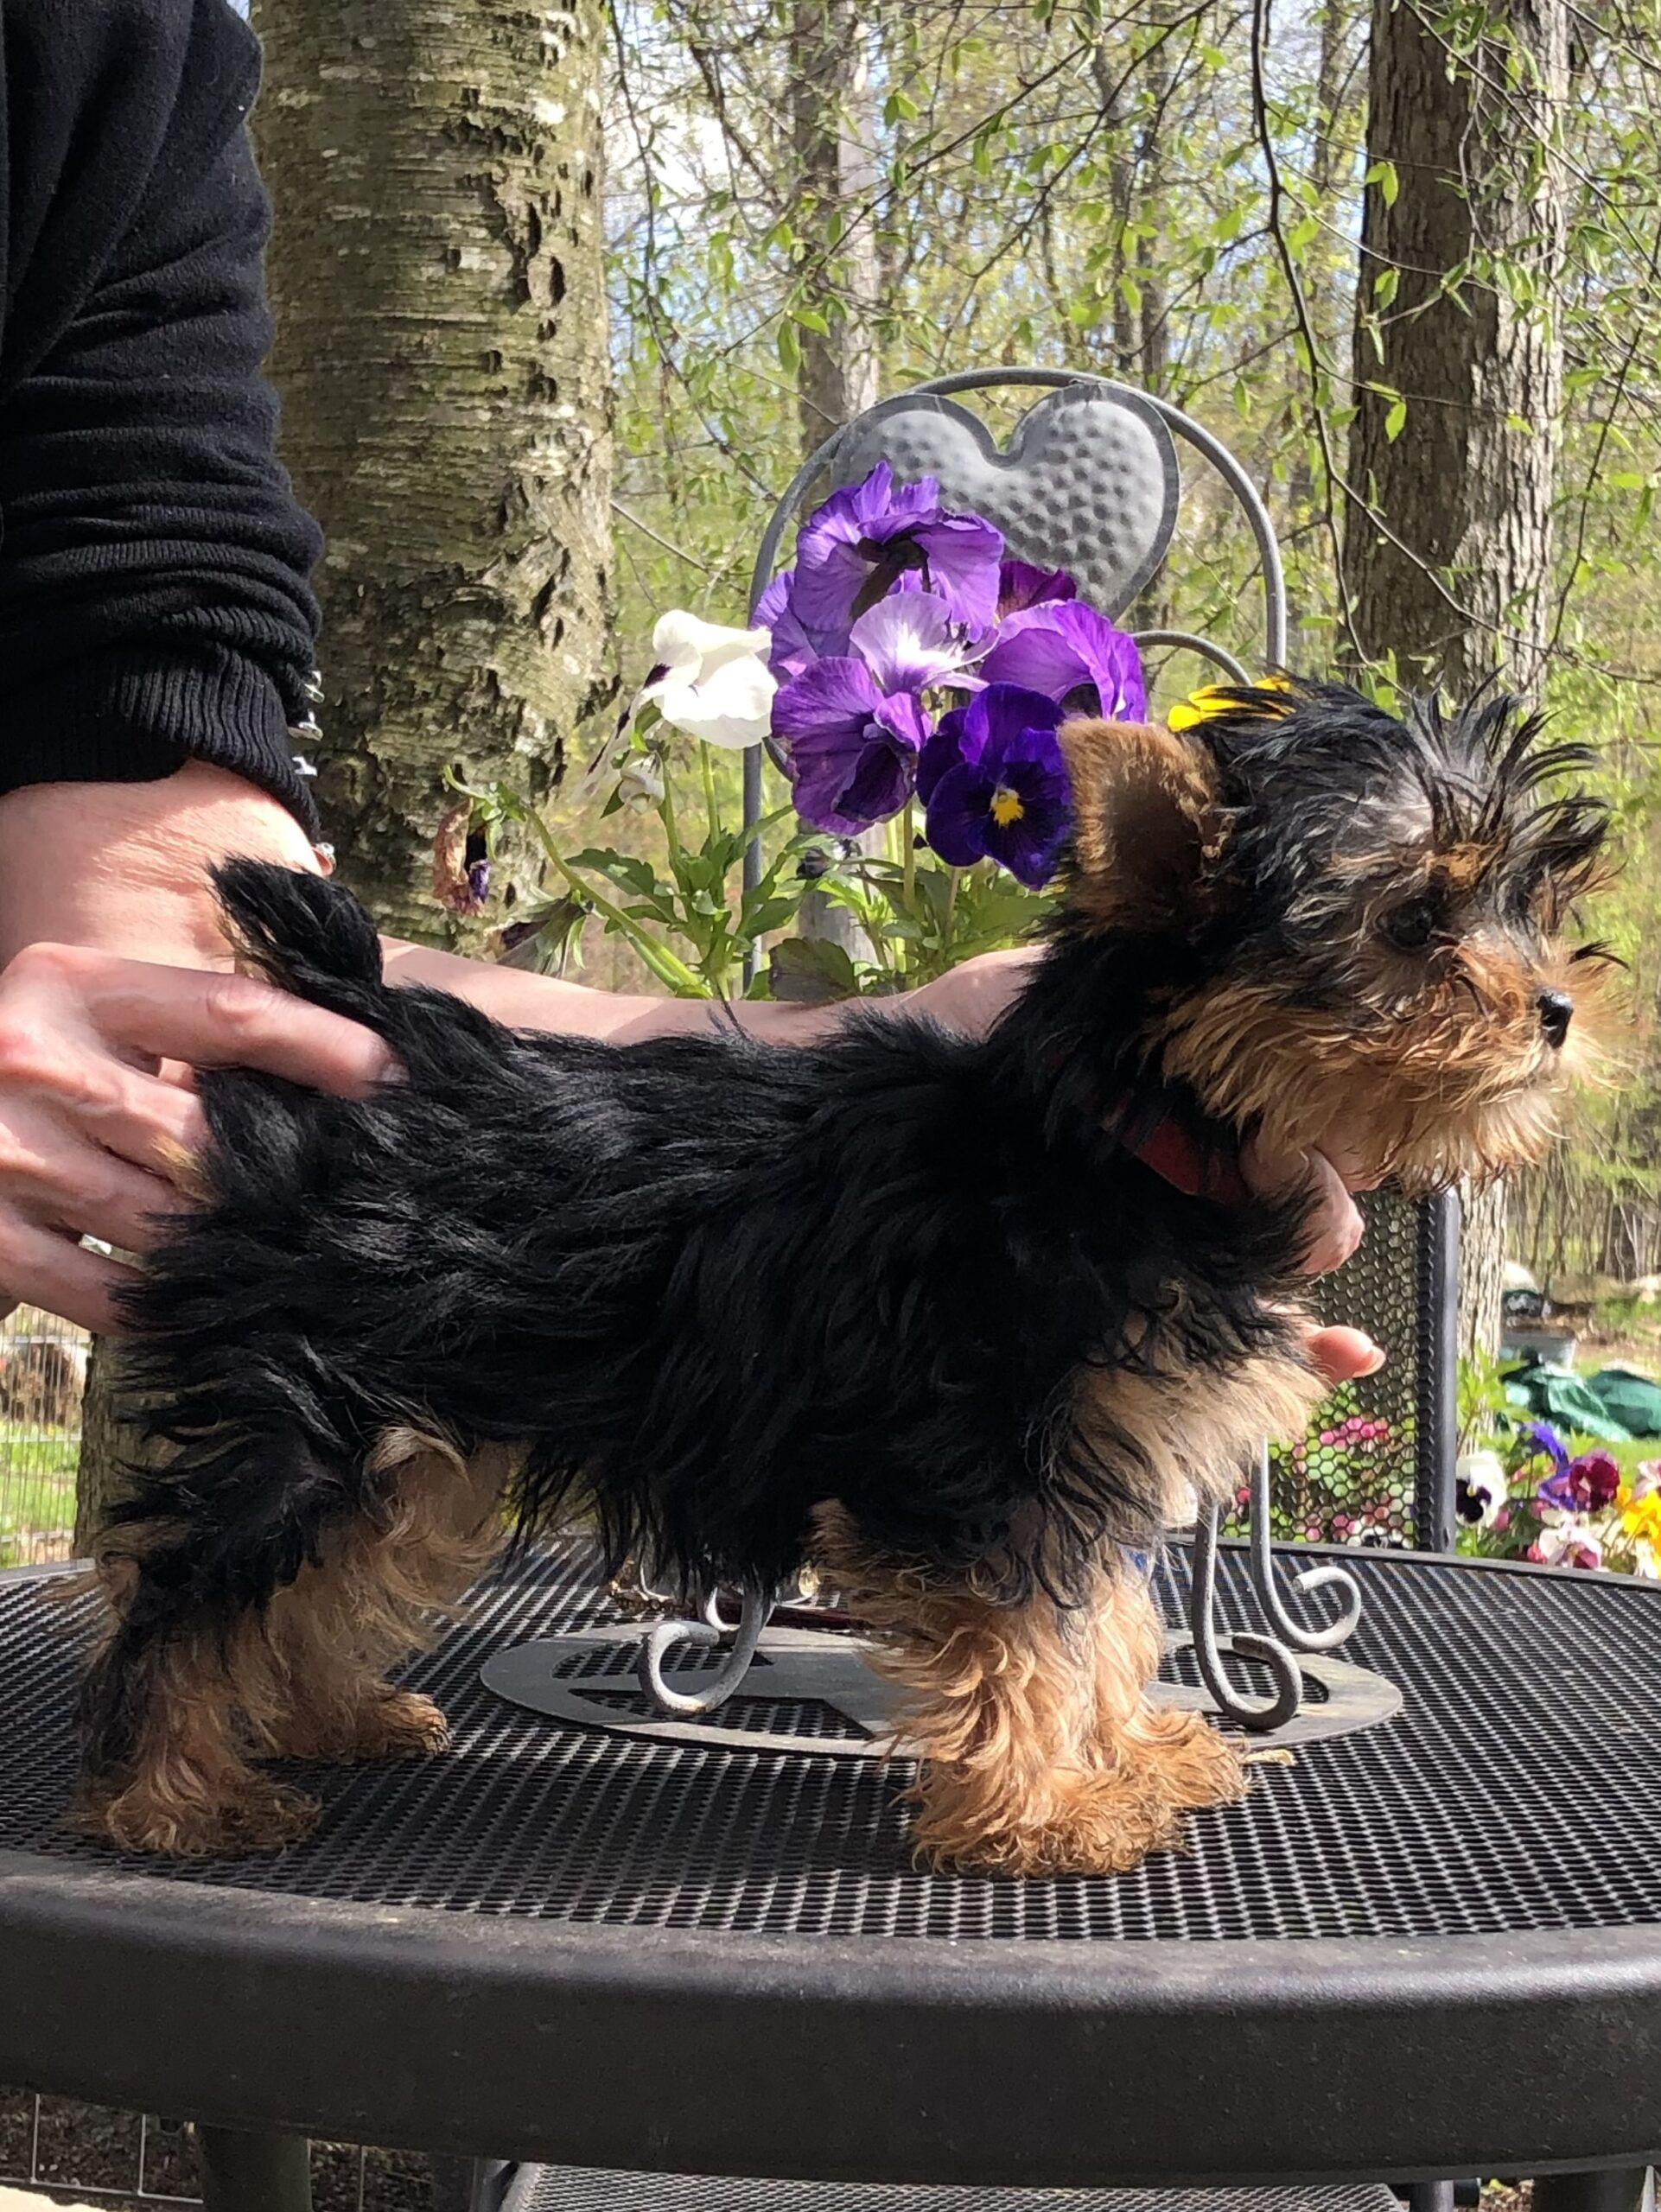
712	1282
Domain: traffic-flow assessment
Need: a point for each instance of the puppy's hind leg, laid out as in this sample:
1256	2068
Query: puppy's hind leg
430	1522
164	1767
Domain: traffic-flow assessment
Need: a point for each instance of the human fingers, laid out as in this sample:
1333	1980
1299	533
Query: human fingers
207	1018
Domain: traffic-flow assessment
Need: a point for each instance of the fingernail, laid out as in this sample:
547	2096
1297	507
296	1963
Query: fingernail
1375	1360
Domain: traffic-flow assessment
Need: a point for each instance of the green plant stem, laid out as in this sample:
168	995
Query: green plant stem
952	876
666	966
908	854
712	812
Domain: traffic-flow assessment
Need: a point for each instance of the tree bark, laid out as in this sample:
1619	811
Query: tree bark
436	274
438	279
834	133
1450	573
834	137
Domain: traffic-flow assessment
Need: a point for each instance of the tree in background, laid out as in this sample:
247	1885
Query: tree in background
1458	347
1458	388
438	279
437	276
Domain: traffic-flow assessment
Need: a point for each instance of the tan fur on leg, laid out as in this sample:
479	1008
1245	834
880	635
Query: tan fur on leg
333	1638
308	1677
191	1791
1041	1752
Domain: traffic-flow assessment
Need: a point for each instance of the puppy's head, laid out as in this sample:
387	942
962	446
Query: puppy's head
1371	918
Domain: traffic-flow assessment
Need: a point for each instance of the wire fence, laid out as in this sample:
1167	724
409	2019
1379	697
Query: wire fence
98	2156
43	1377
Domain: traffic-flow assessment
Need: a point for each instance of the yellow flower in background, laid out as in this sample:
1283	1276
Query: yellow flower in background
1641	1516
1217	699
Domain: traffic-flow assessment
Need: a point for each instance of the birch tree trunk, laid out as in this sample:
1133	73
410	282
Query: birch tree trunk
1450	571
437	279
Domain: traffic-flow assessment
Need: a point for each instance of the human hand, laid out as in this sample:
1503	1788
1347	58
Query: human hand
98	1119
1335	1231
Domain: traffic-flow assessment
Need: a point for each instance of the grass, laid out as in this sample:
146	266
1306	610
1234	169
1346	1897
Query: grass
37	1487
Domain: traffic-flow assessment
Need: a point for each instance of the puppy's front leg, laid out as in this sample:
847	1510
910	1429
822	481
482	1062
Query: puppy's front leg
1041	1751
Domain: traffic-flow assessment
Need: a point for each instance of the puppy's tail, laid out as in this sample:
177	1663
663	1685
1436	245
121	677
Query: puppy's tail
305	933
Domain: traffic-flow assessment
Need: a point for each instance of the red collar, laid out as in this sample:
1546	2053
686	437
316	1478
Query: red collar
1161	1140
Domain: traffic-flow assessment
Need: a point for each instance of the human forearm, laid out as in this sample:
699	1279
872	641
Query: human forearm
126	867
522	1000
968	998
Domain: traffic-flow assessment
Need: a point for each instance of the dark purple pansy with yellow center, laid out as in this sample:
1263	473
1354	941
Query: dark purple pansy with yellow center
995	784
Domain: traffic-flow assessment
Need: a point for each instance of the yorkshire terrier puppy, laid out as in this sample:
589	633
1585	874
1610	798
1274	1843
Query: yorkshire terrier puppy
957	1319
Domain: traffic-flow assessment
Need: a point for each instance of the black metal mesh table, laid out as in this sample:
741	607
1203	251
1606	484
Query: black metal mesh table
1431	1948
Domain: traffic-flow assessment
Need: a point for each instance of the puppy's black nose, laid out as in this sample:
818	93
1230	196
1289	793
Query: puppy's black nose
1556	1010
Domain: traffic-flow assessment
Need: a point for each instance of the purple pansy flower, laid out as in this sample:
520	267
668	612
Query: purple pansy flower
878	537
852	746
1021	585
794	645
1072	654
1542	1435
996	784
910	641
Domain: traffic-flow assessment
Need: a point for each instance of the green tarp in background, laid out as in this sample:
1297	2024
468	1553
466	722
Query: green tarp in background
1617	1403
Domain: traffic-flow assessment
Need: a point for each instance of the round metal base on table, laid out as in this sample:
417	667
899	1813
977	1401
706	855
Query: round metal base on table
1431	1947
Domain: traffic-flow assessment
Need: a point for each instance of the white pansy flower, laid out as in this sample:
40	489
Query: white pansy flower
1479	1488
713	683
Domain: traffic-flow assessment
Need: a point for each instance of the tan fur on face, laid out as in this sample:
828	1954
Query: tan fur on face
1462	1084
1142	802
1041	1752
306	1678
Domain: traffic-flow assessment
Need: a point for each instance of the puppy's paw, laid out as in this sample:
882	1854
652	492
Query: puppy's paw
403	1724
1103	1820
390	1725
253	1815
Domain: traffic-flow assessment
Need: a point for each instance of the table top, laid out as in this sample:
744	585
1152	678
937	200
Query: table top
1432	1948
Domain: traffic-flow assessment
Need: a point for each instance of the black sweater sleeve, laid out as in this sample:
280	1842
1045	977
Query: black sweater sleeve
154	596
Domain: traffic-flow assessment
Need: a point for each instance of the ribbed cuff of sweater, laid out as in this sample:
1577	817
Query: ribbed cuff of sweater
132	718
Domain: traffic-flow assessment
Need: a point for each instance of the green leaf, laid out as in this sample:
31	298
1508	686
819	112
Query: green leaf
899	107
760	917
1395	420
1383	174
625	869
811	319
790	348
810	971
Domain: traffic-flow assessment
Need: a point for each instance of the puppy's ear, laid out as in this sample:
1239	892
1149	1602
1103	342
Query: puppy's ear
1145	821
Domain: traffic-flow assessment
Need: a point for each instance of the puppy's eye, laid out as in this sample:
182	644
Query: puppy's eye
1411	927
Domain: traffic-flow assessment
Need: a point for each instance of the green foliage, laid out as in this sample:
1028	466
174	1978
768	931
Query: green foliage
1055	183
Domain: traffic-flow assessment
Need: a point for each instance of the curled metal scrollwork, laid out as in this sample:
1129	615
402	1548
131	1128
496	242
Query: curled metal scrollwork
1233	1704
707	1634
1275	1651
1300	1636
